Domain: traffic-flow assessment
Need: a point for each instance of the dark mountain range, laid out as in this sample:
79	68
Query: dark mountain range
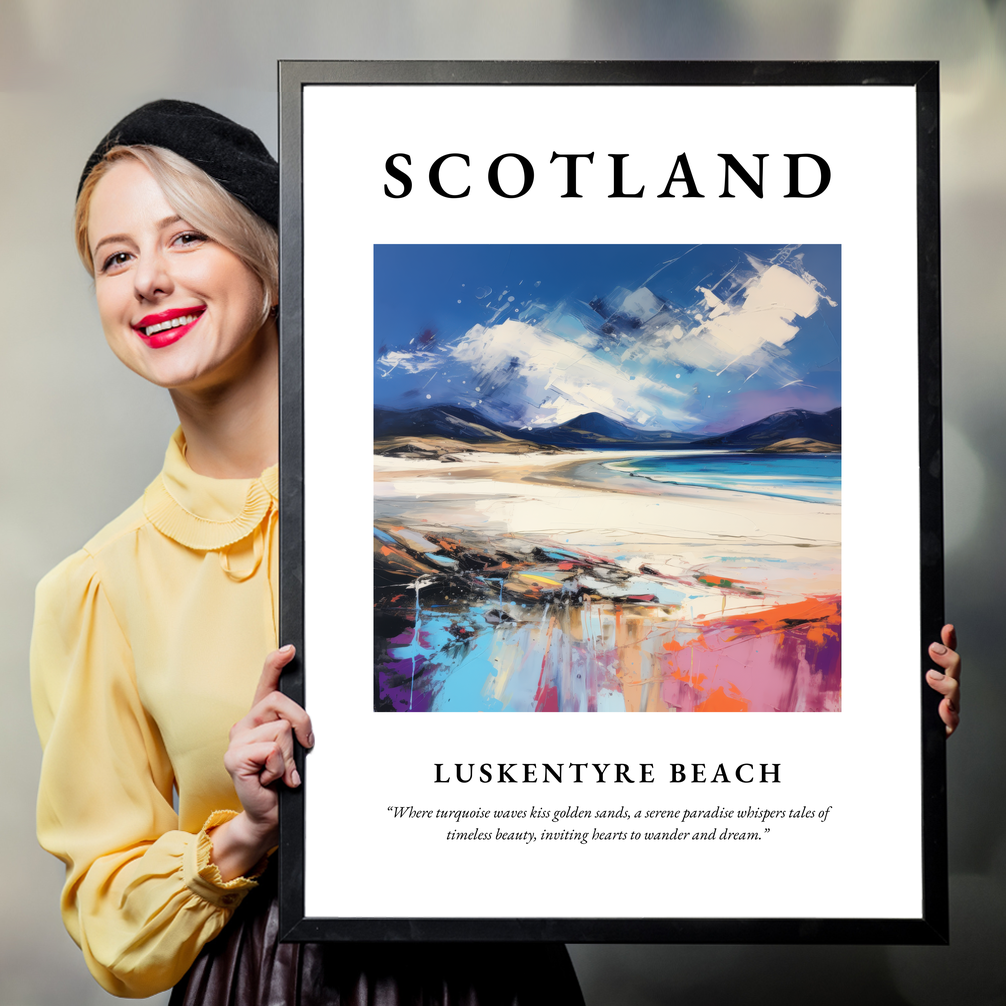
793	423
595	430
450	421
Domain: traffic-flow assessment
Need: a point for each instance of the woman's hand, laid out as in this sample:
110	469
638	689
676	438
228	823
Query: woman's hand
948	681
260	753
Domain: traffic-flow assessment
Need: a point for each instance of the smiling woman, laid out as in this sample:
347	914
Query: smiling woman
148	642
157	279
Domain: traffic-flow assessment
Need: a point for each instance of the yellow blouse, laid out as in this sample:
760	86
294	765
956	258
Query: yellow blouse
147	647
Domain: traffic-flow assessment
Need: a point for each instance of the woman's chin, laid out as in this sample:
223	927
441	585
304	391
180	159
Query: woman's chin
197	365
173	374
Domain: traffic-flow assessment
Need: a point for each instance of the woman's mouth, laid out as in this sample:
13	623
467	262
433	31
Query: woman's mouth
158	330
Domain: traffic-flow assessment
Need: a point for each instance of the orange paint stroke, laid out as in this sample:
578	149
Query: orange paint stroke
674	646
821	615
689	679
719	702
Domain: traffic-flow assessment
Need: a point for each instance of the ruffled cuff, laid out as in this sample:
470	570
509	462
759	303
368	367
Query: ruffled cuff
203	878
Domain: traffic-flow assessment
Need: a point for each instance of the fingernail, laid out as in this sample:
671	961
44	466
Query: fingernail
295	777
286	649
938	648
936	675
310	740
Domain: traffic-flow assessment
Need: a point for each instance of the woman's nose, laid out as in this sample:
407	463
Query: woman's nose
152	277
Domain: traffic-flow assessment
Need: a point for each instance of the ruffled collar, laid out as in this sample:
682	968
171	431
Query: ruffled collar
203	513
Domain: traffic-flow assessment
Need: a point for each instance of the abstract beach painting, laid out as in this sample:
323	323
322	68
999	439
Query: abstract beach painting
607	478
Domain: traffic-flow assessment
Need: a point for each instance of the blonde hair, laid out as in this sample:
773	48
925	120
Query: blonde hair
199	200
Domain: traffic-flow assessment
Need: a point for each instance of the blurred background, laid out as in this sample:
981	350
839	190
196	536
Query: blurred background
84	437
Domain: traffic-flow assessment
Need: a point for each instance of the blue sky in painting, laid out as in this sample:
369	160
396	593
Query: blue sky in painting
661	337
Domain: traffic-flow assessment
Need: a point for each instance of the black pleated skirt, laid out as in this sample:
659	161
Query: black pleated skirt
246	965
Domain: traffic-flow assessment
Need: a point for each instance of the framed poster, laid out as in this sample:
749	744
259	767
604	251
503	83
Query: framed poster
612	389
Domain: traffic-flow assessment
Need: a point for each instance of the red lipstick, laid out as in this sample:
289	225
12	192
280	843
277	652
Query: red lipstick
165	333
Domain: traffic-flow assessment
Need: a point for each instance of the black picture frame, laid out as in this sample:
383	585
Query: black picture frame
931	927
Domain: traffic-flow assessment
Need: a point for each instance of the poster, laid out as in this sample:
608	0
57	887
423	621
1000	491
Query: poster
525	559
609	406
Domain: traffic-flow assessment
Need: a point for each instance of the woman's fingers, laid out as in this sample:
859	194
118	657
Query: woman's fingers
943	654
277	735
260	761
947	680
271	671
949	660
261	749
277	706
949	688
949	636
950	717
274	766
270	703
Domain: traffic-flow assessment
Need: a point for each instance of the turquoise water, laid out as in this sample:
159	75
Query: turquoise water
814	478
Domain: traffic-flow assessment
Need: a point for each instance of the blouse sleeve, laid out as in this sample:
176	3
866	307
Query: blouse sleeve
141	898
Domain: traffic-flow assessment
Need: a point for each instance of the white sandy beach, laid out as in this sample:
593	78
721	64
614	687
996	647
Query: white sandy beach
533	494
792	545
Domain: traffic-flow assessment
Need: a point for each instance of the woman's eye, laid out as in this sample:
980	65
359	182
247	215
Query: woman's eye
190	238
114	261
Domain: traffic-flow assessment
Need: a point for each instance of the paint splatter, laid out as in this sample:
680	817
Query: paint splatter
639	509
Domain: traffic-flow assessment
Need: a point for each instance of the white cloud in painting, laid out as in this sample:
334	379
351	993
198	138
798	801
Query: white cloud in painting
411	363
641	304
563	379
746	327
616	357
765	314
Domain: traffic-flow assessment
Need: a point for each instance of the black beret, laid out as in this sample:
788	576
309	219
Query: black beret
230	154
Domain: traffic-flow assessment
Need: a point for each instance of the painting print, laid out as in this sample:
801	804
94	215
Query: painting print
607	478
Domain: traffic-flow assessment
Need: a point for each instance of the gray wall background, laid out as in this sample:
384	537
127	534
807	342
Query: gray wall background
82	436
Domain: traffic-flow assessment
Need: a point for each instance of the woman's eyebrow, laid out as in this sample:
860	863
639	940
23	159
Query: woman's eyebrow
160	225
109	240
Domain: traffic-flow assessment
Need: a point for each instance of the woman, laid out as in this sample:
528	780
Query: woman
148	643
